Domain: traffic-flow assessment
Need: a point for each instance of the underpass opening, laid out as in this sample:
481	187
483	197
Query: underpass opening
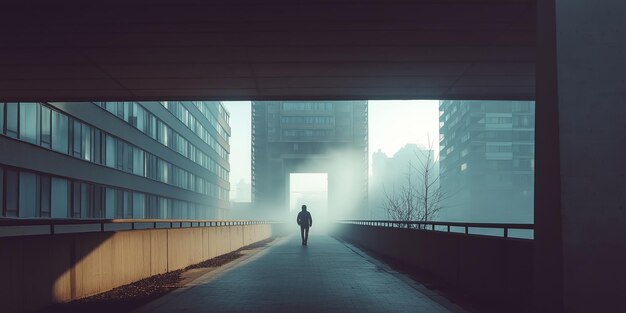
310	189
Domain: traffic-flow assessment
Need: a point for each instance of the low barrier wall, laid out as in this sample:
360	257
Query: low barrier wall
40	270
492	270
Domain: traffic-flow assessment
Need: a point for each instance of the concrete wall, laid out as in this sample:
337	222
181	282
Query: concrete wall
40	270
592	119
493	270
580	200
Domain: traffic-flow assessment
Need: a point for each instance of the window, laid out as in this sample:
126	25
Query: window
120	110
163	133
10	184
128	204
86	209
307	119
119	204
11	124
163	208
44	205
86	142
163	171
498	120
28	202
45	138
110	151
28	122
1	121
59	198
98	202
97	146
138	162
153	127
499	164
77	140
307	106
151	206
76	200
111	107
499	147
110	202
524	121
521	107
140	116
1	186
139	205
119	158
59	132
523	135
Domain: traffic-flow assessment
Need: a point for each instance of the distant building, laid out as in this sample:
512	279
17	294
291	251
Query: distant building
391	172
487	160
157	160
243	191
309	137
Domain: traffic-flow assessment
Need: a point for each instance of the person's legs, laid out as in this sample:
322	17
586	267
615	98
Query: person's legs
306	235
302	234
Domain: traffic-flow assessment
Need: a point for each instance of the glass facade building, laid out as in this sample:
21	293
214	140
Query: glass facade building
161	160
487	160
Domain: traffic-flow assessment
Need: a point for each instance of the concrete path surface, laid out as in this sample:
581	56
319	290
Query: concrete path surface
325	276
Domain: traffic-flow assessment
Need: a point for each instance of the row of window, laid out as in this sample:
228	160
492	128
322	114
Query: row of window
205	108
183	115
499	147
515	164
140	118
497	120
307	120
27	194
308	133
308	106
224	113
449	108
40	125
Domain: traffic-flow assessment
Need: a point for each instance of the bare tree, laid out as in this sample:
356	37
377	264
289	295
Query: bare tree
401	204
420	197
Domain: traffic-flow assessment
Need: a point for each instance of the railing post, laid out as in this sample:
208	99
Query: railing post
506	232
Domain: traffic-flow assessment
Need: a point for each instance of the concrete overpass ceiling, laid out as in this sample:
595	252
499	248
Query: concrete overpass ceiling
267	50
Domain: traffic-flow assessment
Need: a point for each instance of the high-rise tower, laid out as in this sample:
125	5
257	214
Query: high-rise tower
487	160
307	137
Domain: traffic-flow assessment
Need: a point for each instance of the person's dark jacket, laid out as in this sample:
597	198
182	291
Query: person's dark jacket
304	219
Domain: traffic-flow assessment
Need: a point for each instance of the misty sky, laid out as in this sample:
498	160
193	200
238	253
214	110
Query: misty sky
392	124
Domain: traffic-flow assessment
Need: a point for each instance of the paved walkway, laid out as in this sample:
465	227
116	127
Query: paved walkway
325	276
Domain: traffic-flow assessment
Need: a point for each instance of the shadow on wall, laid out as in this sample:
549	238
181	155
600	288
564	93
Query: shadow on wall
41	270
495	272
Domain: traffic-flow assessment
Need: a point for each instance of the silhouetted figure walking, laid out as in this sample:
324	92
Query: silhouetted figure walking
305	221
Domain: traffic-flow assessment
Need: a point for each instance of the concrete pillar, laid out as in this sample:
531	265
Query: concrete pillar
580	203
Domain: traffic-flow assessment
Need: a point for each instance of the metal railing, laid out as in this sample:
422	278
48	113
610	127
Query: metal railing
27	227
466	228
